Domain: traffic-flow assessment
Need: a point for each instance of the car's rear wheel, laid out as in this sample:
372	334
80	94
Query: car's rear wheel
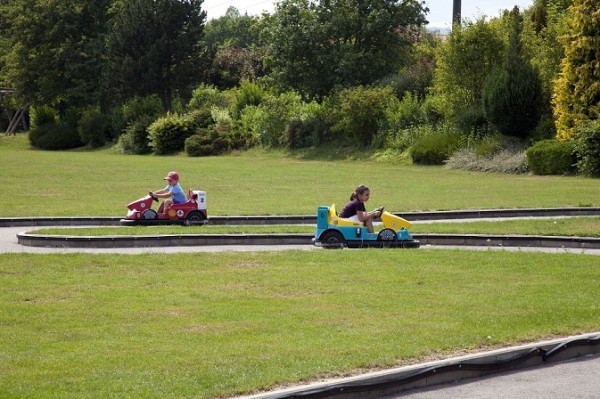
194	217
332	239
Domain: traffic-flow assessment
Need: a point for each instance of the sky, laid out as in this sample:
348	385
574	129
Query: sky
439	16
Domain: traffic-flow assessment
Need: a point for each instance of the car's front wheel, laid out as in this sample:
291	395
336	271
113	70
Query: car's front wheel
149	214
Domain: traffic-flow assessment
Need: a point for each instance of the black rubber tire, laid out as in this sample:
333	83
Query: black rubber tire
194	218
149	214
387	235
332	239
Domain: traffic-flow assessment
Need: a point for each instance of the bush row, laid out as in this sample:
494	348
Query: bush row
361	117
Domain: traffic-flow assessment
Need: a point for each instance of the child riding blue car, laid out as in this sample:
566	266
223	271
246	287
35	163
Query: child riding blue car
335	232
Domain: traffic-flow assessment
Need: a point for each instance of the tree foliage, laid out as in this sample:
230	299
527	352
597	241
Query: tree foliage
544	24
316	46
512	96
463	64
56	49
154	48
233	43
577	91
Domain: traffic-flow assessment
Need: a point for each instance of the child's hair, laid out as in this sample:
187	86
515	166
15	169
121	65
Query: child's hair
359	190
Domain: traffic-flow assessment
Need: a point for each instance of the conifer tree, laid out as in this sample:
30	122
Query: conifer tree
577	91
512	96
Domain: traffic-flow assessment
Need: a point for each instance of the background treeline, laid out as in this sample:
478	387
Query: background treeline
514	93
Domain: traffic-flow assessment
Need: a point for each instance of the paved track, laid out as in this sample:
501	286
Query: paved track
577	378
8	244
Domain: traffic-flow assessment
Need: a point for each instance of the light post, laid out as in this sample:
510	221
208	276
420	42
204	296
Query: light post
456	12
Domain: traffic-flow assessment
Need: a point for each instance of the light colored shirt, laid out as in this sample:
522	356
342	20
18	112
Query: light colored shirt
178	194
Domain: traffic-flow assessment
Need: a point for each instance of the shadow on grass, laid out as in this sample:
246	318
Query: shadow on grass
335	153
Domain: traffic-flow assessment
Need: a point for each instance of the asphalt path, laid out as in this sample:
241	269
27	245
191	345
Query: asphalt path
9	244
577	378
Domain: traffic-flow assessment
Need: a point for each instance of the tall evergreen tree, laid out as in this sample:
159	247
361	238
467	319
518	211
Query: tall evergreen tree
577	91
154	47
512	96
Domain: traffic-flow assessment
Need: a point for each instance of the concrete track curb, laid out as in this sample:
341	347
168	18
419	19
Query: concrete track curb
389	382
59	241
311	219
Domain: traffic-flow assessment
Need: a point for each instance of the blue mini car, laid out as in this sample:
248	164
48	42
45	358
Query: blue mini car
336	232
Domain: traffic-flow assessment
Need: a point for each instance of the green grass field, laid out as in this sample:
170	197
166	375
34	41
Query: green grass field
102	183
216	325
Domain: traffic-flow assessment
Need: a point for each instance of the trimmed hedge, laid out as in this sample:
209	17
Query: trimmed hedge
587	147
552	157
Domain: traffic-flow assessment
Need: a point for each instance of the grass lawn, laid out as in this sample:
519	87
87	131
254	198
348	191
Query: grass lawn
579	227
102	183
214	325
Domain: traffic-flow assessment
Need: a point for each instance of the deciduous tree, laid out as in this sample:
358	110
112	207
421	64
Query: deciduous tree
56	49
154	47
316	46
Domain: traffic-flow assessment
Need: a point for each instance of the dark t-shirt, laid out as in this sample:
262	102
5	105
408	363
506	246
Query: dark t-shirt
352	208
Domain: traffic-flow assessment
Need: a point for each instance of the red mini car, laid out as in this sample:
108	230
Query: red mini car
191	212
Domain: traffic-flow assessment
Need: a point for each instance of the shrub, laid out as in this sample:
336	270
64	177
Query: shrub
249	122
434	149
54	136
115	123
206	142
239	140
545	130
399	115
551	157
92	127
199	144
207	96
43	115
201	118
132	121
355	114
403	139
249	93
141	107
472	121
268	121
135	140
49	131
587	148
222	118
168	134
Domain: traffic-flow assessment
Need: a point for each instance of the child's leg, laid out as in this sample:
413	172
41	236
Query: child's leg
369	224
165	205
